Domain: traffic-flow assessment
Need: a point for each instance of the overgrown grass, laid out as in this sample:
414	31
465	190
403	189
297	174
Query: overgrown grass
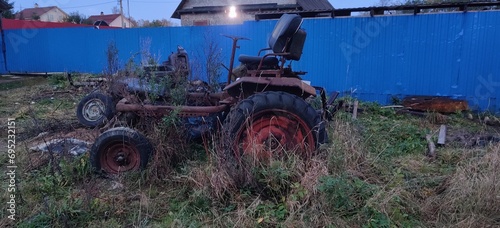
374	173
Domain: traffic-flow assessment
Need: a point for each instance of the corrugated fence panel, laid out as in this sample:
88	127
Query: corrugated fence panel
373	58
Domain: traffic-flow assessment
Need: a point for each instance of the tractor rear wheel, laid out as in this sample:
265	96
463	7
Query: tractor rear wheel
272	124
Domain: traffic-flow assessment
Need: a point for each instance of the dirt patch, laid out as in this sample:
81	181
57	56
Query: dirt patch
37	159
461	138
11	82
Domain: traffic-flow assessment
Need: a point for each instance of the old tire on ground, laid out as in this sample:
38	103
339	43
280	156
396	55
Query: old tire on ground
120	150
94	109
270	123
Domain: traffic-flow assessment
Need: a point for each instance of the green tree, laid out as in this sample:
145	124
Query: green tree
154	23
77	18
9	14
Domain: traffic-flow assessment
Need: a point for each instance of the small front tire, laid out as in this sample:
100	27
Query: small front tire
120	150
94	109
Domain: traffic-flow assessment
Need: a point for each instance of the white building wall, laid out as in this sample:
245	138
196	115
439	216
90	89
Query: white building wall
193	3
53	15
118	22
215	19
223	18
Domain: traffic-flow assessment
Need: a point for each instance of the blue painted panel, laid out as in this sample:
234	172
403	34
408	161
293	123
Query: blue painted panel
373	58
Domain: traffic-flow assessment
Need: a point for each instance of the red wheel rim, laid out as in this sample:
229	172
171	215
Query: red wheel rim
120	157
274	132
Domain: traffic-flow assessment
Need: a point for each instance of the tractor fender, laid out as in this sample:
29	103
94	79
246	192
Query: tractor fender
247	86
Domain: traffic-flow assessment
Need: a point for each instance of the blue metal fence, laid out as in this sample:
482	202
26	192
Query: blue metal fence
373	58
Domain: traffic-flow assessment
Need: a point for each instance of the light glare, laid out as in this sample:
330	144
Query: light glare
232	12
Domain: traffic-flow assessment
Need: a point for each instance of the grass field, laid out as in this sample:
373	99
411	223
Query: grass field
373	173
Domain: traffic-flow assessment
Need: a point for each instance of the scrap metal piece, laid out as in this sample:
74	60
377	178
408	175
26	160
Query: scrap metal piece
435	104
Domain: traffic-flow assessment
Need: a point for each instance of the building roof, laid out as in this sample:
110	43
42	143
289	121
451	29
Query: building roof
20	24
381	10
108	18
302	5
309	5
23	24
39	11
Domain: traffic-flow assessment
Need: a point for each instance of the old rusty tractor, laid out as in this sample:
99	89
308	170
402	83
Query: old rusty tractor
262	108
98	107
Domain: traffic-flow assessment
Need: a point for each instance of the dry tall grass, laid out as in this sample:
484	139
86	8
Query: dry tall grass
472	194
348	183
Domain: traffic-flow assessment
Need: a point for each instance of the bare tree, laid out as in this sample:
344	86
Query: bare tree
115	10
387	3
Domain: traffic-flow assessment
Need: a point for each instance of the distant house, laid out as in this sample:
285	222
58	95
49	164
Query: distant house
47	14
113	20
217	12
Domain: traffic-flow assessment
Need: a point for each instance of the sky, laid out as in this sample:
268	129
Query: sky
142	9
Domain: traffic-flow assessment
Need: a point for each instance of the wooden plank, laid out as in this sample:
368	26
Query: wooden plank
355	110
431	152
442	135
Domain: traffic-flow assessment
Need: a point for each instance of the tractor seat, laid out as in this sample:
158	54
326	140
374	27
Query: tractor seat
269	62
279	43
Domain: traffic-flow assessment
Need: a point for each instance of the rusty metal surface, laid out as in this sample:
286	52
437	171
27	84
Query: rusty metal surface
161	110
207	98
435	104
266	73
259	84
219	96
233	52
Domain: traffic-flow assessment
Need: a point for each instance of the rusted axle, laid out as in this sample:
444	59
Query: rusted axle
162	110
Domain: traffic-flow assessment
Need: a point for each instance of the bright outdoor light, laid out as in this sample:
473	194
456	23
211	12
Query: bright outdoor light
232	12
